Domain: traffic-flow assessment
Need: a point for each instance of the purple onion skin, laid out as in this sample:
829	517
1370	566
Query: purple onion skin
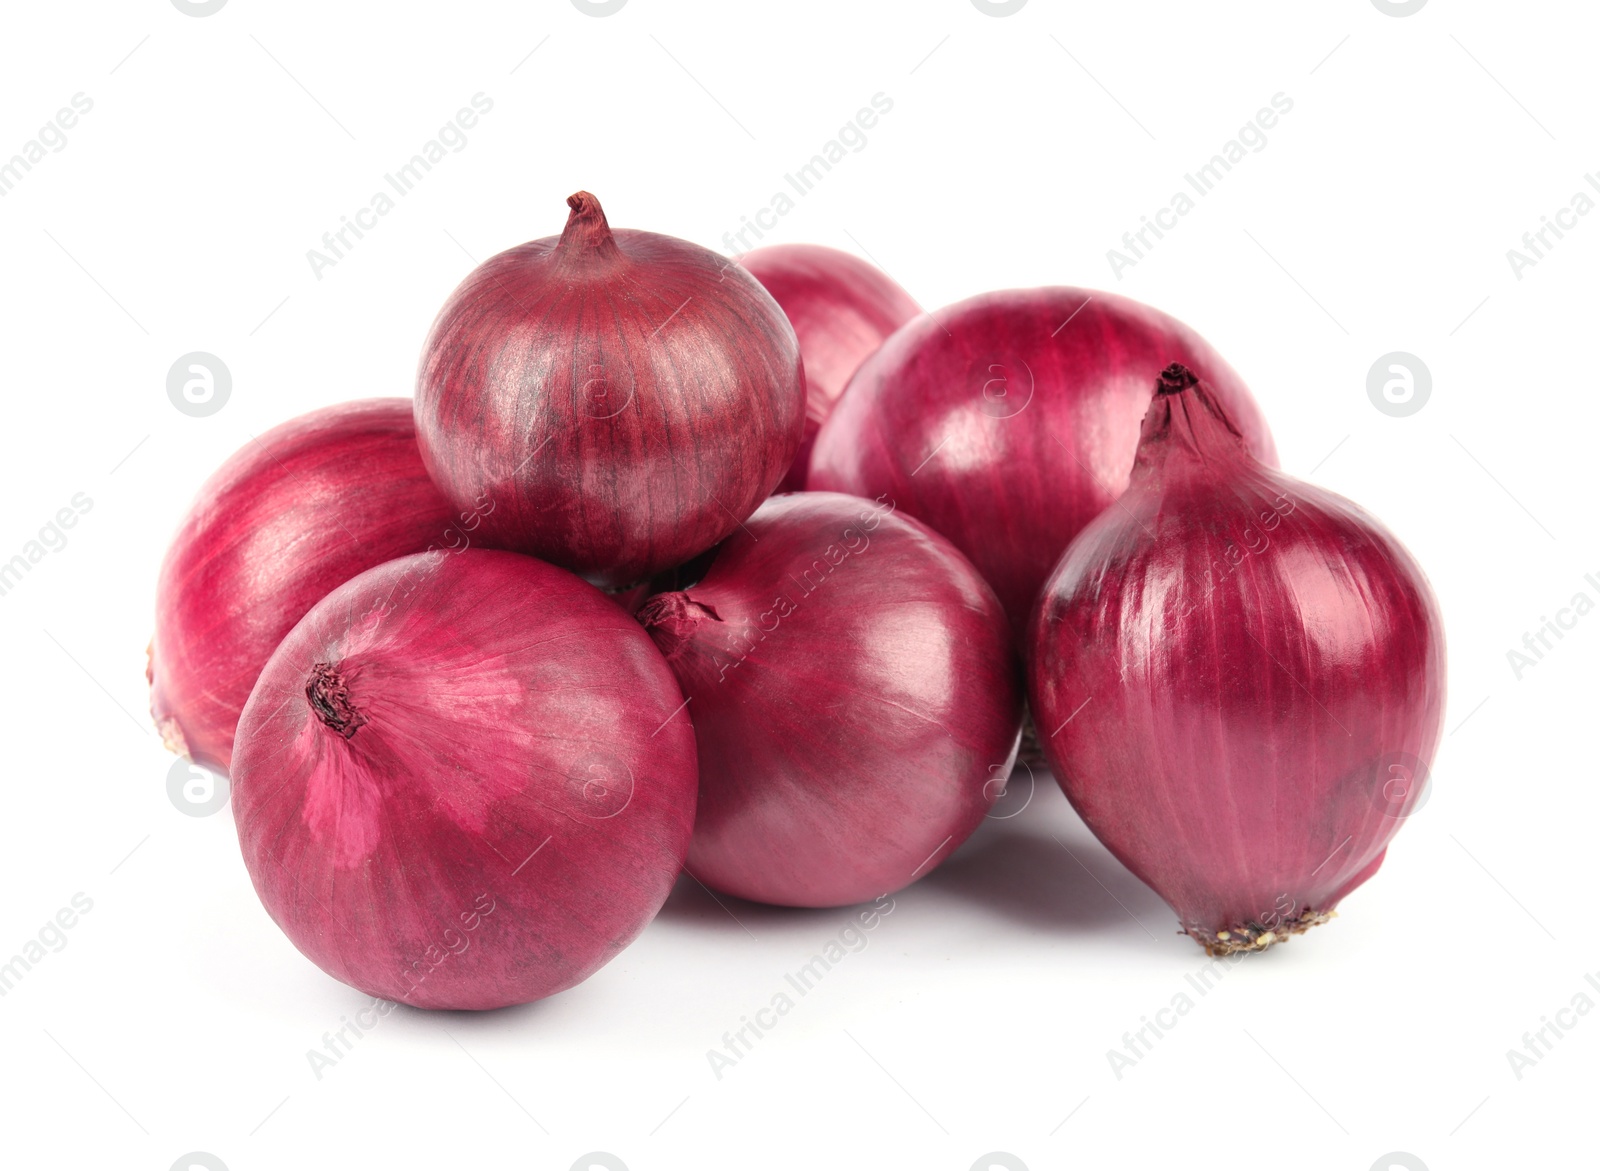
855	700
447	731
1238	680
625	398
1009	421
303	509
842	309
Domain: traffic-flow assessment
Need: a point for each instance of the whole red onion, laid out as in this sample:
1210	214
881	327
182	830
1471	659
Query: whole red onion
854	697
1009	421
626	398
1238	679
463	781
841	308
303	509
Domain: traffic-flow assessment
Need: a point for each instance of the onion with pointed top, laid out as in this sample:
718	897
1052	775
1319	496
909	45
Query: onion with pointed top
626	398
1238	679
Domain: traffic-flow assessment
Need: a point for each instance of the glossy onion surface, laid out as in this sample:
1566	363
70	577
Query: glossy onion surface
464	781
624	398
1009	421
854	697
1238	679
299	511
842	309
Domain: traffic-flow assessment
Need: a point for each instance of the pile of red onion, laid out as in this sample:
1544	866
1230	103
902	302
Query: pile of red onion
489	668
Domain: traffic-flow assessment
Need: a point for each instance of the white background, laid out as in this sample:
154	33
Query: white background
1019	149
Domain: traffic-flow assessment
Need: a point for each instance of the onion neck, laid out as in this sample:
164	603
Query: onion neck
1186	424
672	620
329	695
587	236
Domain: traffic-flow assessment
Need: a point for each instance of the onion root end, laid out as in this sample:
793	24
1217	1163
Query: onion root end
1254	937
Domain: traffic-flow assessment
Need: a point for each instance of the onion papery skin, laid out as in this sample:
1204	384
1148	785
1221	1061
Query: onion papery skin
448	731
855	699
1009	421
303	509
1238	679
625	398
842	309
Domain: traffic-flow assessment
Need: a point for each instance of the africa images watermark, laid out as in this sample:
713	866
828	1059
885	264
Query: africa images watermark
451	139
50	539
1537	643
804	179
1253	540
194	789
1539	1043
199	384
336	1046
852	542
1137	1044
52	136
737	1044
1399	384
428	561
1538	243
52	935
1203	181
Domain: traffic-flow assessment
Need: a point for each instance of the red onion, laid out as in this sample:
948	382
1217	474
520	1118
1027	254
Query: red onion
841	308
301	510
853	693
1009	421
627	398
463	781
1238	679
